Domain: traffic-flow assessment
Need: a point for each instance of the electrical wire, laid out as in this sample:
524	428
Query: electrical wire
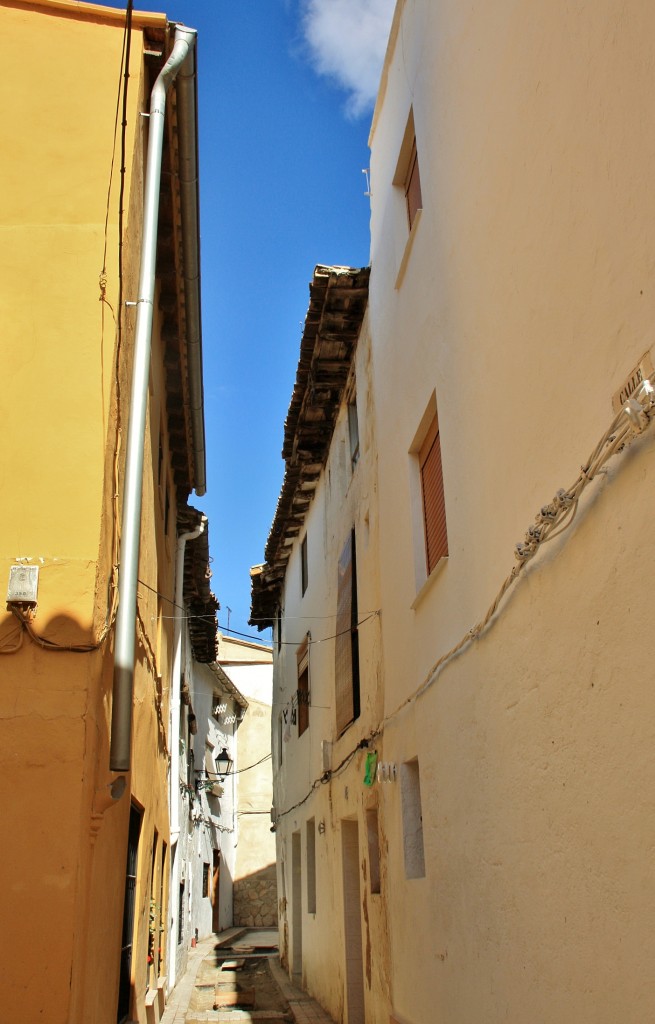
239	771
555	517
6	648
328	775
550	522
50	645
311	642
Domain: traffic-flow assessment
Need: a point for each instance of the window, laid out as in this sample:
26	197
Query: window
353	430
302	693
311	866
180	918
346	669
408	201
410	790
373	837
205	880
413	200
434	508
407	176
129	914
304	574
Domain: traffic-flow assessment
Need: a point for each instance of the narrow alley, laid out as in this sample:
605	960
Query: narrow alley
236	976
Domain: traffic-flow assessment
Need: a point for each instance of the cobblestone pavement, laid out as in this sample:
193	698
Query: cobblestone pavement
184	1006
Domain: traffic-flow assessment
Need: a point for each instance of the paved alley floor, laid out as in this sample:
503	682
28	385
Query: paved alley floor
236	977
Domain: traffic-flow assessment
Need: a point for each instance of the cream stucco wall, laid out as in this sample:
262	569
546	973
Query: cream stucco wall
249	668
526	299
313	941
517	307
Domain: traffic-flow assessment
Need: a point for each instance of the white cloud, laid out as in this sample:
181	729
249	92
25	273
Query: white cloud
347	40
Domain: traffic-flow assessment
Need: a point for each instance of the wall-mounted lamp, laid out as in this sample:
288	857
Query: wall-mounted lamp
224	763
321	828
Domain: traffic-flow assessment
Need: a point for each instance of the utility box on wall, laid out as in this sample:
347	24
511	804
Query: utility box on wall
23	584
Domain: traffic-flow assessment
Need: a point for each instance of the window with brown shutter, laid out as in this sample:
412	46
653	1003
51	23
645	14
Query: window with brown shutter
413	186
346	667
434	508
304	567
302	693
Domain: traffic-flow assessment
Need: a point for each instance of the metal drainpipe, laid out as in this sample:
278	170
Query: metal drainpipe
176	678
121	714
174	733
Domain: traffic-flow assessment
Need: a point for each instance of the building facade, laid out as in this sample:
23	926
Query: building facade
509	312
87	895
319	589
248	666
214	714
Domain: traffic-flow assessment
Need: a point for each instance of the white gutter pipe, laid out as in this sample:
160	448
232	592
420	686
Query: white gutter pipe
174	746
121	717
176	678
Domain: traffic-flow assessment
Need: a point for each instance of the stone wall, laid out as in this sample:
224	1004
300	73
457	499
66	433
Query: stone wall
255	899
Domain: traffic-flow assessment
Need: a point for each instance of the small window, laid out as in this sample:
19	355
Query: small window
180	919
304	572
353	430
302	694
434	508
410	789
373	836
311	866
407	175
413	198
346	669
205	880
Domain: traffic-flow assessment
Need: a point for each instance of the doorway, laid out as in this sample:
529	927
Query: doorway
352	922
125	984
296	904
216	877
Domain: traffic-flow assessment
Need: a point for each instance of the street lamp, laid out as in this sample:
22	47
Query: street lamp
223	763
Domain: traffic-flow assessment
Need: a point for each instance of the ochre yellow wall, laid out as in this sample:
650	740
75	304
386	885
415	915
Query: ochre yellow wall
62	858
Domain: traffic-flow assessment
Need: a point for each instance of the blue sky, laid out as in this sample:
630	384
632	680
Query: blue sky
285	101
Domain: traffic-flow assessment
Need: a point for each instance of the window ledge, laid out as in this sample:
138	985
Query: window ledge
427	585
408	248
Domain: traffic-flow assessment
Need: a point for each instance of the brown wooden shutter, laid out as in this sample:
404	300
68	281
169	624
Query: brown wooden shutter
343	668
413	187
302	694
434	508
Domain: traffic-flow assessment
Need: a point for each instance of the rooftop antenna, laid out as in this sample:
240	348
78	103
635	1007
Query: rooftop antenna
366	171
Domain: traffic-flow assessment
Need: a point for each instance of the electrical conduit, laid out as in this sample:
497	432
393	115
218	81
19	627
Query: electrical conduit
121	718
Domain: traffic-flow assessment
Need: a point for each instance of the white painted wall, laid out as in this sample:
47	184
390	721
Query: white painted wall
520	304
315	942
527	297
